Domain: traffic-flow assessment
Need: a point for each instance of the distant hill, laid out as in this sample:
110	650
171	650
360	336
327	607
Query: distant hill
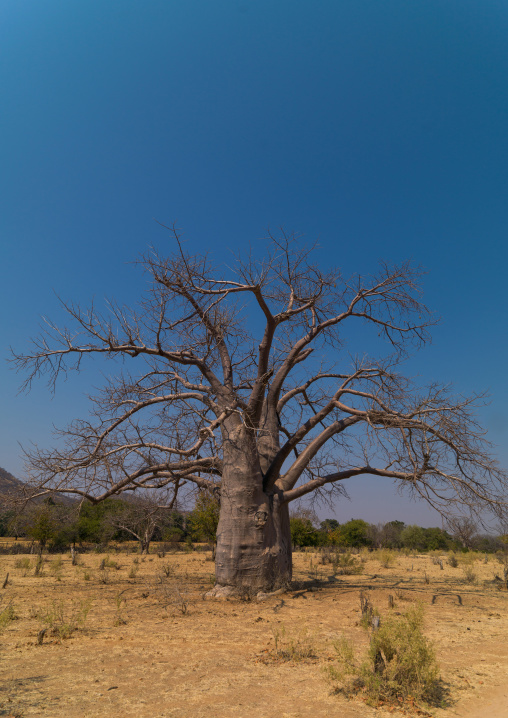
10	486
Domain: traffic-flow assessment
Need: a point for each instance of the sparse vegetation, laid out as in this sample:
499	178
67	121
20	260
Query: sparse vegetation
7	615
133	571
22	563
400	663
386	558
39	566
301	623
120	604
470	575
63	620
345	564
56	567
289	646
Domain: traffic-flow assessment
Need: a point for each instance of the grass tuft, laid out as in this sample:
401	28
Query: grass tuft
64	622
7	616
386	558
289	647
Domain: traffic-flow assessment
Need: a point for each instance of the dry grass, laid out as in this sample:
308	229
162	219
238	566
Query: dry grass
150	646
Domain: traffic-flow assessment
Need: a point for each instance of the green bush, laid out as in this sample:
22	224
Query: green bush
355	533
400	664
7	615
303	532
204	519
386	558
344	564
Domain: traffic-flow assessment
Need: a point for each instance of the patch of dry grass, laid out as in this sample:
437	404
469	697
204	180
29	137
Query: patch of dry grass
212	657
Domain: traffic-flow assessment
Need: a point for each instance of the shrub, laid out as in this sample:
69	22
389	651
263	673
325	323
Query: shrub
386	558
110	563
400	664
292	648
7	615
133	571
22	563
469	575
170	594
345	565
303	532
120	602
63	623
39	566
452	560
56	567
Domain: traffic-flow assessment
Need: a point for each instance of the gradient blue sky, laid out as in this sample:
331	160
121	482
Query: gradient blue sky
378	128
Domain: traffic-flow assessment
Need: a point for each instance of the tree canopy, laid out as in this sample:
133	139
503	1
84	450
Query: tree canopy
238	380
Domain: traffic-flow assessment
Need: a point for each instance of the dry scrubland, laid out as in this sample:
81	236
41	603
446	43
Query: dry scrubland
133	636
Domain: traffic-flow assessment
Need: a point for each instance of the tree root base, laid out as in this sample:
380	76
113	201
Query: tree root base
226	592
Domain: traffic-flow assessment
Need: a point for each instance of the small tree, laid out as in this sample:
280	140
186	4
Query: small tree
204	520
303	533
237	381
142	518
413	537
390	534
43	522
93	523
42	528
355	533
464	530
329	525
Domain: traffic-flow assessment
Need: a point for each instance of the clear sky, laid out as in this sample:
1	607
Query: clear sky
378	128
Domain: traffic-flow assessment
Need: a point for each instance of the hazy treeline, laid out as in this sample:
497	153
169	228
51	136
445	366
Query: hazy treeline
56	526
463	535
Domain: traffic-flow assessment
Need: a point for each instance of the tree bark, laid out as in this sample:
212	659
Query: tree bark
253	536
253	543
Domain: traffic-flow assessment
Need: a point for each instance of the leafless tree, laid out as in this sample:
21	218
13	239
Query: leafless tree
463	529
142	517
237	380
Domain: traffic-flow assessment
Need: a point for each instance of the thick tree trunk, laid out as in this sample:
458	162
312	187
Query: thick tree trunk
253	536
253	543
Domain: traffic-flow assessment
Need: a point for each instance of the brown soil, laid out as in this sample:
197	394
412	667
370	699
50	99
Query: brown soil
153	647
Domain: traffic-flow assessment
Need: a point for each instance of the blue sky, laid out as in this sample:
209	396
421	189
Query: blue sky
378	128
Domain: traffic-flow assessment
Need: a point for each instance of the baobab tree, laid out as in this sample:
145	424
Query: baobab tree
238	381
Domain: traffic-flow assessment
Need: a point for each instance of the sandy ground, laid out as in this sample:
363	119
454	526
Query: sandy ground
152	647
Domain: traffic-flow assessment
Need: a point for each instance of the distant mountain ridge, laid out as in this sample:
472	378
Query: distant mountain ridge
9	484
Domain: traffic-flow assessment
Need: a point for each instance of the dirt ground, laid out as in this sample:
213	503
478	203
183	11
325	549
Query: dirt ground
145	643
